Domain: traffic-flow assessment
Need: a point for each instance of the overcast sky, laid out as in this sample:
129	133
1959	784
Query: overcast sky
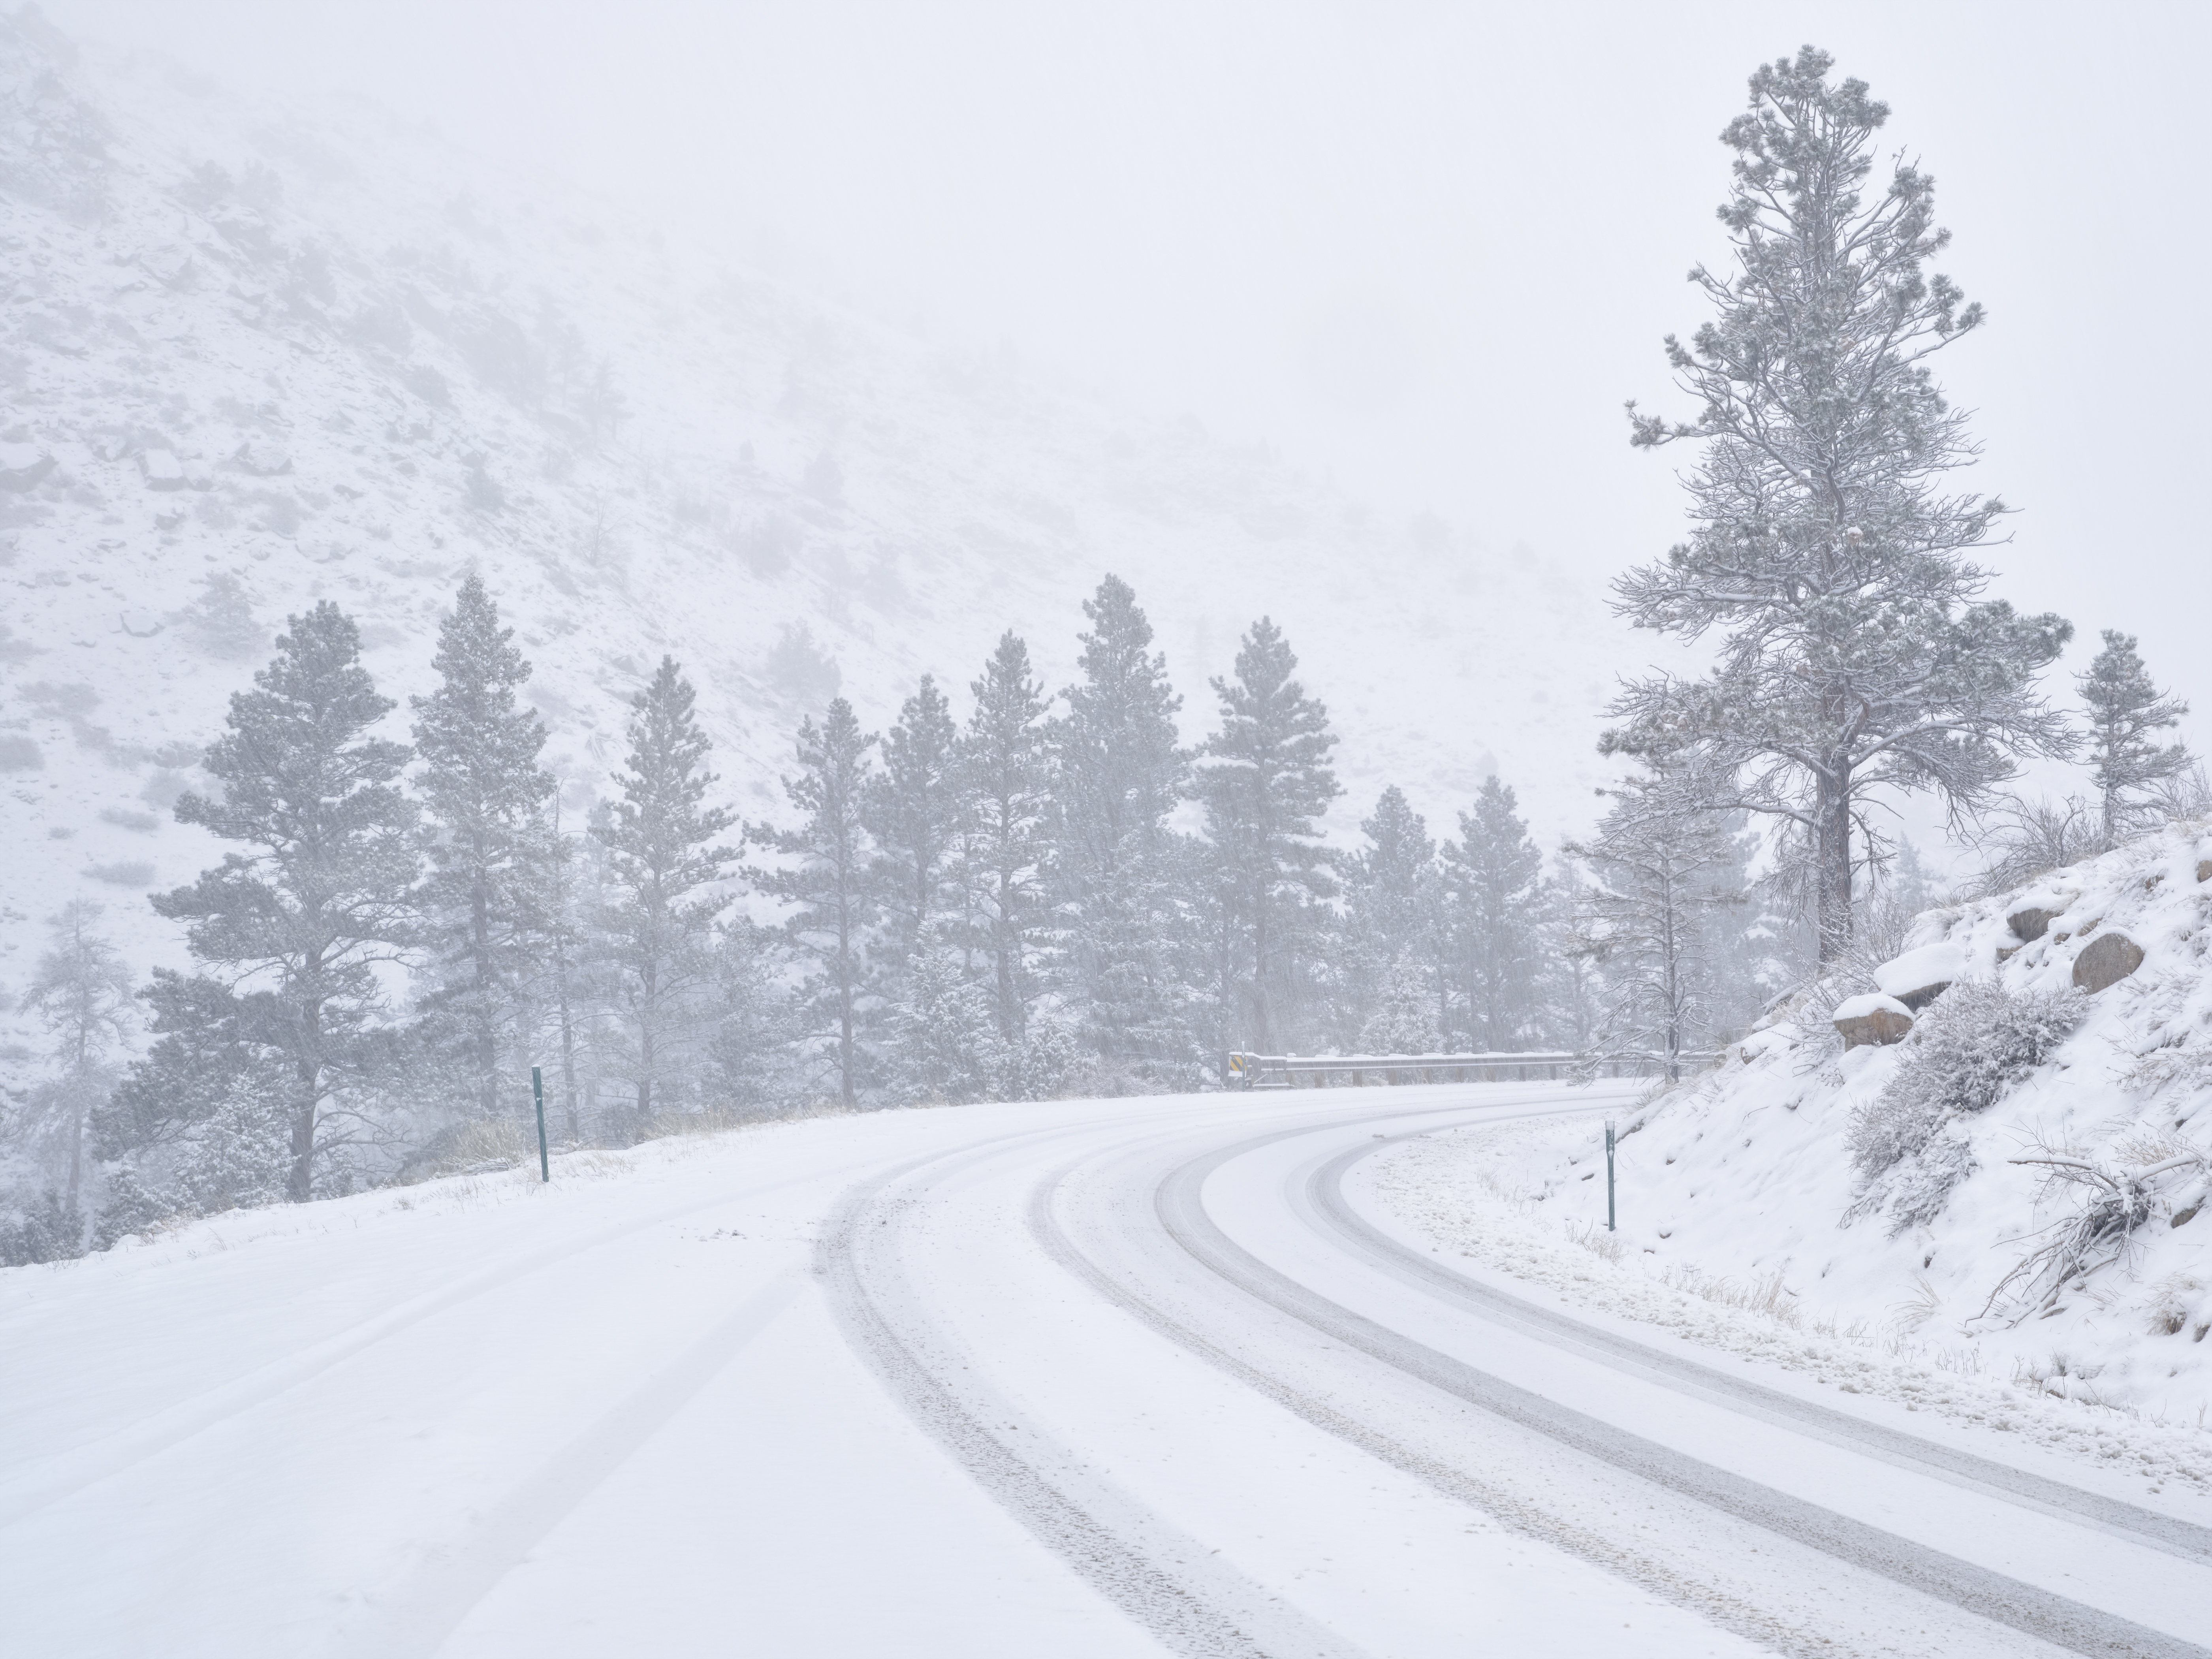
1428	249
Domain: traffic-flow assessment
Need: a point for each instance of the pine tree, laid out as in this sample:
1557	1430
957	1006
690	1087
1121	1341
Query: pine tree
486	794
664	868
1494	901
837	917
327	894
1663	867
1006	776
913	814
81	994
1118	773
751	1050
1856	652
1393	926
2125	707
1264	781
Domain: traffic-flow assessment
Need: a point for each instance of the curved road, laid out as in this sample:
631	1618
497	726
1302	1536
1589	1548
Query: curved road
1096	1377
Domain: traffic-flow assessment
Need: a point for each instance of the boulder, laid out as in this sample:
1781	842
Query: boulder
1871	1021
22	466
2027	925
1918	978
160	469
2204	869
2107	960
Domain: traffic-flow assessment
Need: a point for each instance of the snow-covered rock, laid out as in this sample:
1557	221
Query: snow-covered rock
1872	1018
1918	978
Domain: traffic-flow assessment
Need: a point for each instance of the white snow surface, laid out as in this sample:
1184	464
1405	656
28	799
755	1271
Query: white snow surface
1744	1175
1930	964
993	1380
364	365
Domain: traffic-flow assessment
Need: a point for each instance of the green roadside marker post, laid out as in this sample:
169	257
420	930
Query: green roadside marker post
1609	1176
545	1165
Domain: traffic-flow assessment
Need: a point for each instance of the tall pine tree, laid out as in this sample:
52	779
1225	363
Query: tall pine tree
1264	779
81	994
1006	774
1119	774
665	867
296	927
2125	708
1830	549
1392	926
1665	872
832	883
486	897
913	813
1492	878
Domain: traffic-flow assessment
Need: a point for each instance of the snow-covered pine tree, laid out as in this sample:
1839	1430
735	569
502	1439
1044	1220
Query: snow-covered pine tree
756	1030
1264	781
1006	778
944	1044
913	810
328	891
485	897
1493	882
1663	868
665	866
1392	923
838	918
2125	707
1404	1017
1856	651
1119	773
81	994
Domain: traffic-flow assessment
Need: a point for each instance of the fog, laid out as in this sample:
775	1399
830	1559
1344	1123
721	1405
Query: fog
1426	250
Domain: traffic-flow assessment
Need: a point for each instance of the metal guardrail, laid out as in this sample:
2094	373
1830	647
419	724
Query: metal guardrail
1358	1070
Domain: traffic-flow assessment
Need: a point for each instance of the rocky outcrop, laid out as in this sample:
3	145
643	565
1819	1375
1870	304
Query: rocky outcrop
2027	925
1872	1021
2107	960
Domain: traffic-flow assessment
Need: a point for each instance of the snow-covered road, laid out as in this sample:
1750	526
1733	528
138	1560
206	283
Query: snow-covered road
1085	1378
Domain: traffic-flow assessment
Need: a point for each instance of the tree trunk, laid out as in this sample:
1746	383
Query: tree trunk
486	1044
299	1185
1832	849
648	1019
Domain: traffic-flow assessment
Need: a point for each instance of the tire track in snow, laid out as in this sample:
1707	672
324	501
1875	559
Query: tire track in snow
1164	1581
99	1460
1961	1584
1325	1200
1509	1509
419	1617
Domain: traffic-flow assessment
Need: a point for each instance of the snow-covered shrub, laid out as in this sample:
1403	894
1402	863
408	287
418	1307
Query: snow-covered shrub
51	1229
131	1207
1975	1042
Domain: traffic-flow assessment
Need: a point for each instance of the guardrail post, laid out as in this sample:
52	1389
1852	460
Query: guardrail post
538	1092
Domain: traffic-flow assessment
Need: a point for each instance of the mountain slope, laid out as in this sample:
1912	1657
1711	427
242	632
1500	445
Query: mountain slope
253	359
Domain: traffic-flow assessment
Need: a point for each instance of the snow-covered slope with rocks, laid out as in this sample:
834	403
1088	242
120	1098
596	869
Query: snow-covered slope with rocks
253	358
1748	1175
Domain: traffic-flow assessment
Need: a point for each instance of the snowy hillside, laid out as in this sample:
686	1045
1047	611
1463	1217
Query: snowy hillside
253	359
1884	1186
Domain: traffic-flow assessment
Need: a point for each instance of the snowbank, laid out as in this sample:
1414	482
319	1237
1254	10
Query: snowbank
2024	1174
